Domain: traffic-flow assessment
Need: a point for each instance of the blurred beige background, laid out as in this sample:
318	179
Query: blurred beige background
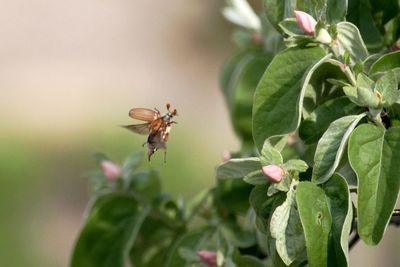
69	73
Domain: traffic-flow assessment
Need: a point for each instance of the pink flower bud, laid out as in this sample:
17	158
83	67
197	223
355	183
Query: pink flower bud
208	257
226	155
111	170
305	22
273	173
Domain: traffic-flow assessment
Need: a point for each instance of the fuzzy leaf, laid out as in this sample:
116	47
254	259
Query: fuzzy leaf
331	145
374	154
316	220
350	40
386	62
285	227
340	205
387	86
278	100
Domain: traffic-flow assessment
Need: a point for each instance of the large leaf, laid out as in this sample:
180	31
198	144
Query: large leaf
374	154
286	228
316	220
349	39
341	208
278	99
109	232
331	146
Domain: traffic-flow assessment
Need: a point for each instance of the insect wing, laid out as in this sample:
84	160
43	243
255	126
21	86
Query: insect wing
143	114
139	128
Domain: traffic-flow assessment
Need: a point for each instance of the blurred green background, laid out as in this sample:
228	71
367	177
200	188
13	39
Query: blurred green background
69	73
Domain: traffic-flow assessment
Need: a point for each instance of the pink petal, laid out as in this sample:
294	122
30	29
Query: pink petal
305	21
273	173
111	170
208	257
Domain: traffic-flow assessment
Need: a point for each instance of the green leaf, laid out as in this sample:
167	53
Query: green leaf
360	13
286	229
277	10
364	81
193	239
237	236
270	155
349	39
311	130
374	154
244	92
331	145
238	168
153	242
229	195
239	80
278	99
146	184
290	27
366	98
256	178
249	261
260	201
109	232
386	62
295	165
340	205
387	86
131	163
316	220
336	10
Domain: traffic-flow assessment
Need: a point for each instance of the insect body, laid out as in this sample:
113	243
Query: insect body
157	127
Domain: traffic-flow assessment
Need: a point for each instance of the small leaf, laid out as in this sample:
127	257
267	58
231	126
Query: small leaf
341	208
387	86
290	27
366	98
238	168
286	229
374	154
331	145
386	62
349	39
316	220
364	81
114	219
295	165
270	155
278	100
